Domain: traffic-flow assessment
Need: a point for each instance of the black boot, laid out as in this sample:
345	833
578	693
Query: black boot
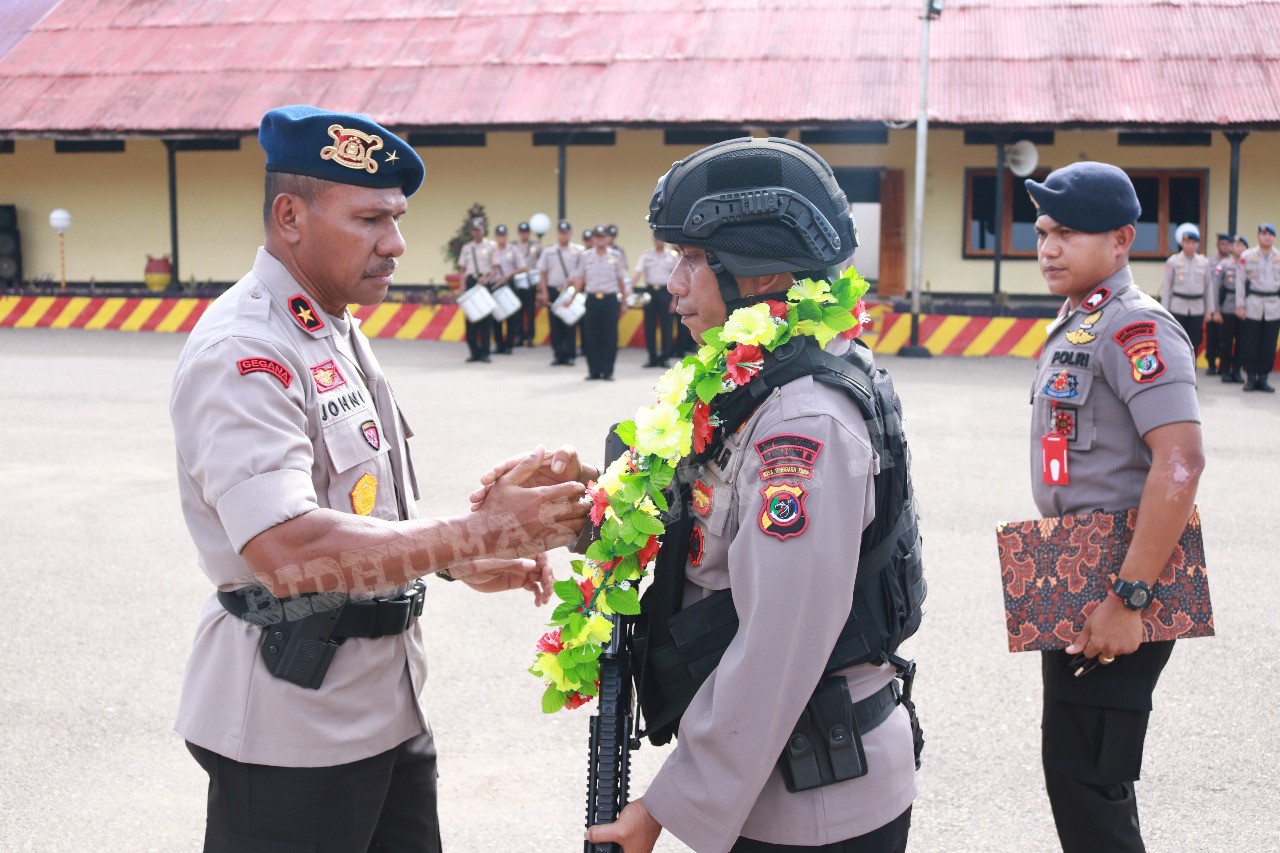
1250	383
1263	385
1235	377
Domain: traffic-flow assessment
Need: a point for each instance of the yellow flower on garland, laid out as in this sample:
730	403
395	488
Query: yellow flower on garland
610	480
751	325
662	432
673	387
818	291
821	332
548	668
599	629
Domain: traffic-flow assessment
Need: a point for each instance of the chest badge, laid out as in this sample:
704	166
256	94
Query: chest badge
304	313
1062	385
364	495
701	498
1084	334
696	546
327	376
783	513
370	430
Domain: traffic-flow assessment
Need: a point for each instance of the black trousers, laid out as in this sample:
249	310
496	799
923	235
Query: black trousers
563	345
478	333
1092	737
600	333
890	838
1193	324
1258	346
657	324
506	333
385	803
528	314
1229	343
1213	344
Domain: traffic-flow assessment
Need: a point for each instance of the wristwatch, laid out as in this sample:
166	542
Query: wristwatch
1134	594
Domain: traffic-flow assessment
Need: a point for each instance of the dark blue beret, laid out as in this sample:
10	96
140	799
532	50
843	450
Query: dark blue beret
1087	196
345	148
1267	226
1222	235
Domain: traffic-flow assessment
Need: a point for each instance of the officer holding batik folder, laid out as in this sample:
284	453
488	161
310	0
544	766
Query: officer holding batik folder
1115	425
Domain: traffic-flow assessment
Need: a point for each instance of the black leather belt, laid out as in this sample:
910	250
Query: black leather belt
876	708
377	617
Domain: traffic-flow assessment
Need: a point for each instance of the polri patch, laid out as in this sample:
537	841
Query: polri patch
701	498
1144	355
327	376
304	313
364	495
1070	358
370	430
1062	385
788	455
265	365
697	544
1093	300
1133	331
783	513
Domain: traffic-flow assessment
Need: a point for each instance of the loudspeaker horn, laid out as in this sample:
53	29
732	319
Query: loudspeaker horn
1022	157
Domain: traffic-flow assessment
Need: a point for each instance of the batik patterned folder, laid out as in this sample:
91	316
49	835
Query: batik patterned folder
1054	571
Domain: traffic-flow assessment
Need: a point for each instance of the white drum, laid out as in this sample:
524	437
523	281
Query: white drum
570	311
535	275
521	281
476	303
506	303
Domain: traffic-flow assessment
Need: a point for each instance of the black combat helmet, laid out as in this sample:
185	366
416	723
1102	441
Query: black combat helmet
760	205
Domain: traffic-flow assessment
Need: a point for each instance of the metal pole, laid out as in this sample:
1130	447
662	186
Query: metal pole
62	255
913	349
999	245
173	210
1235	137
561	161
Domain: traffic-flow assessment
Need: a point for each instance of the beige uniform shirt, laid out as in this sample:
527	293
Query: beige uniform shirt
1111	371
506	261
528	253
278	409
1186	281
654	267
602	273
476	259
794	595
1222	287
1258	288
558	266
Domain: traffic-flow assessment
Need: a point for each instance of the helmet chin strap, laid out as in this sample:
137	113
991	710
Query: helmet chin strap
733	298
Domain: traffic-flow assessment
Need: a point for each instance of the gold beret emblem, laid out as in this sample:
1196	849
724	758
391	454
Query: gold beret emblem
352	148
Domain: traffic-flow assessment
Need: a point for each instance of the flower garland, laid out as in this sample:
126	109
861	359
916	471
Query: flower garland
628	499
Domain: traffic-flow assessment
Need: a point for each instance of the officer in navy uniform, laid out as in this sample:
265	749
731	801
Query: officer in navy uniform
1117	379
302	696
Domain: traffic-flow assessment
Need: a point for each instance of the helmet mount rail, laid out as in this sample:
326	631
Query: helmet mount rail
766	204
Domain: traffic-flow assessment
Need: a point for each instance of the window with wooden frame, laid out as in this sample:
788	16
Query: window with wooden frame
1168	198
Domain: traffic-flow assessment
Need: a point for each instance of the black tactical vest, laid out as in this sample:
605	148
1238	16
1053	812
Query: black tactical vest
674	650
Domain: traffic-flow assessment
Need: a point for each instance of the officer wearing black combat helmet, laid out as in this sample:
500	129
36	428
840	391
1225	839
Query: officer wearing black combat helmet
750	217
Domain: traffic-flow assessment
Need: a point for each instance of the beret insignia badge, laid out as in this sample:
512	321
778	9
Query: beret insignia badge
352	148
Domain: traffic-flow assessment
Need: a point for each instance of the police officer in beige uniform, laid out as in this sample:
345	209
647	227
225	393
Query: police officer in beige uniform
652	271
1214	352
302	695
1224	277
792	574
558	268
1258	307
506	263
527	252
603	278
475	263
1117	379
1186	293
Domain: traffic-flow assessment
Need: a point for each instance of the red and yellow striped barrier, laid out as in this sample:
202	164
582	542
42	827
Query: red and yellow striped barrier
941	334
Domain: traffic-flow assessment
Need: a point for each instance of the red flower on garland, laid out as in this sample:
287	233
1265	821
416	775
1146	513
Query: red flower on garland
856	329
599	502
575	700
777	309
649	551
588	590
702	429
550	643
743	362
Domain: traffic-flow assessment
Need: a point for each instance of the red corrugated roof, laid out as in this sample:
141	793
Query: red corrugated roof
127	66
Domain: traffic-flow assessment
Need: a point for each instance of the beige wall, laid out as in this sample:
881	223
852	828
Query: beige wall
119	202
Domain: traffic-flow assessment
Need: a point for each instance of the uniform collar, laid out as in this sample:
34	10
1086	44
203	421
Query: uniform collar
305	313
1106	291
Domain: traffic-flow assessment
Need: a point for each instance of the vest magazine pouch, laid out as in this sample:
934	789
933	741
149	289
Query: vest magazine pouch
825	746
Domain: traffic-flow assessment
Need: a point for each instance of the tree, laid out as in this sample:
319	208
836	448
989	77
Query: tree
453	249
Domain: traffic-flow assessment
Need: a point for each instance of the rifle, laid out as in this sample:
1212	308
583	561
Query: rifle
609	761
